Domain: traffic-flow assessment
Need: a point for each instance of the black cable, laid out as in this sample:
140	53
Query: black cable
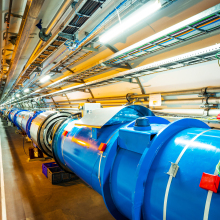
23	146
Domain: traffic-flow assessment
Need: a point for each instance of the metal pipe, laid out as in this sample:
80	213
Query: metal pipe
87	38
194	112
8	24
211	100
63	8
39	50
181	92
32	11
36	52
140	96
107	98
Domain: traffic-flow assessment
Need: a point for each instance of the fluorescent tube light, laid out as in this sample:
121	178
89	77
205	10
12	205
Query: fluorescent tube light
130	21
47	77
26	90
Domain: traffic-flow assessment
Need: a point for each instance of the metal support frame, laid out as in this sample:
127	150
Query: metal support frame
141	87
128	66
83	15
67	36
6	33
176	38
25	77
69	70
201	58
74	81
99	1
37	70
74	26
36	64
67	98
45	104
198	29
7	14
112	48
117	66
51	97
90	91
55	71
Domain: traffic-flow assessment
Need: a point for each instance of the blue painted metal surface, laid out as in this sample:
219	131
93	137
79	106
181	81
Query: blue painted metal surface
17	116
131	174
26	117
32	117
11	114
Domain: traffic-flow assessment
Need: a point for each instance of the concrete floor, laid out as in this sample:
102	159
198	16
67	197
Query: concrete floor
30	195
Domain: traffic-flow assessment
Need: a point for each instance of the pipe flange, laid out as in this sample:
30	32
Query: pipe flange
43	36
204	93
128	97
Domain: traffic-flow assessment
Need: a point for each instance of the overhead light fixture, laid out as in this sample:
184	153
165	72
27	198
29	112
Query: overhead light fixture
130	21
27	90
47	77
17	95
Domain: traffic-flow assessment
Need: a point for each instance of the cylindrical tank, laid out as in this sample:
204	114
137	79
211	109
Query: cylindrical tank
146	168
6	112
25	117
82	142
41	129
18	118
32	116
11	114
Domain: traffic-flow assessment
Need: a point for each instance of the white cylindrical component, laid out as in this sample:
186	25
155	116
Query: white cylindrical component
213	100
194	112
181	102
181	111
36	124
26	116
213	90
214	112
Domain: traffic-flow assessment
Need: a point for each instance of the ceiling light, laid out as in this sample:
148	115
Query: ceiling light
47	77
26	90
130	21
17	95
